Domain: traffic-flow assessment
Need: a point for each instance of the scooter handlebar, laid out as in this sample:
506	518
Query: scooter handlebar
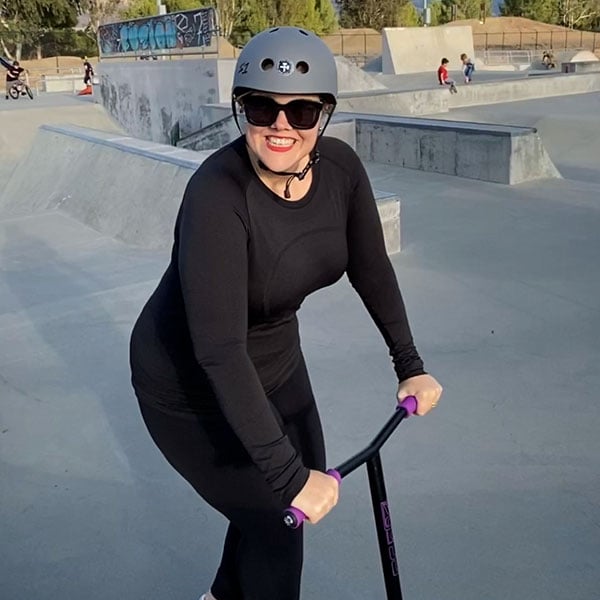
293	517
409	404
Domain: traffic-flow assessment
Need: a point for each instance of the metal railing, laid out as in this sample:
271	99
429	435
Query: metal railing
527	40
359	47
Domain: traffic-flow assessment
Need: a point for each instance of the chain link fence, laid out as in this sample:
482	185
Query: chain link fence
535	40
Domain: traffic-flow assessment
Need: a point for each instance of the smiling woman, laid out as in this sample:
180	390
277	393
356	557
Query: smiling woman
285	85
216	359
282	135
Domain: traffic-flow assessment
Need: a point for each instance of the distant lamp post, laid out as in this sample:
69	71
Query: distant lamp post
426	14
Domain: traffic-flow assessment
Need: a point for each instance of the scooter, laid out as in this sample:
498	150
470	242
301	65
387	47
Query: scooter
294	517
18	89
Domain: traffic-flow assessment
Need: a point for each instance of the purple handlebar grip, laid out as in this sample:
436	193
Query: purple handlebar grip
409	404
335	475
294	517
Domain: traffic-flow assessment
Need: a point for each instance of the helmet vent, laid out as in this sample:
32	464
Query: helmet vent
302	67
267	64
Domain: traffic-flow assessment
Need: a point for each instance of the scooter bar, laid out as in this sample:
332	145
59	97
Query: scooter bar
294	517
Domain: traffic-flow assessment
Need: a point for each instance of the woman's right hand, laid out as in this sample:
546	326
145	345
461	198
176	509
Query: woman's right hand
318	496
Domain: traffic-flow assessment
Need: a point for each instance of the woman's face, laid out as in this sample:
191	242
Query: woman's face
279	145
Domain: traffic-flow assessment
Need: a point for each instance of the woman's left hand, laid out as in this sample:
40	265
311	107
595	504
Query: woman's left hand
425	388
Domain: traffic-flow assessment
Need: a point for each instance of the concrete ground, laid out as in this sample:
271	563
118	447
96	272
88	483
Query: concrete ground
495	495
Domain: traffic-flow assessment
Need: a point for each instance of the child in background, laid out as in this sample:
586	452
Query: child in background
468	67
443	77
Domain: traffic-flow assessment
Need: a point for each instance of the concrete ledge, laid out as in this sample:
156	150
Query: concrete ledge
587	66
62	83
555	84
126	188
439	100
497	153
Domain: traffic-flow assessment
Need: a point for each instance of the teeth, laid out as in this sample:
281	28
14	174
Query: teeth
280	141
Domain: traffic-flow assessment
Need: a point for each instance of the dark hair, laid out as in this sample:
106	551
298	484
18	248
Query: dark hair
445	61
15	63
463	56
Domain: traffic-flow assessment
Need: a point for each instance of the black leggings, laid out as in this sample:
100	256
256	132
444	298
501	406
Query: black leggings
262	558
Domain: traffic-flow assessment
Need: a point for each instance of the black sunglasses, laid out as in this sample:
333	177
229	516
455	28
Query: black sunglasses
262	111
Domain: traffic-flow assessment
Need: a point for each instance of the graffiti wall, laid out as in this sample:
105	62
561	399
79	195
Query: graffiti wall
186	32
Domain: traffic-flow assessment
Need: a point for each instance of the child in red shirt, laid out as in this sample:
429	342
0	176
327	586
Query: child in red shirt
443	77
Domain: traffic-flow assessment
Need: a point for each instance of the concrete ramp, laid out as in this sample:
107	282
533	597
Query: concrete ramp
573	143
18	127
125	188
353	79
128	189
419	49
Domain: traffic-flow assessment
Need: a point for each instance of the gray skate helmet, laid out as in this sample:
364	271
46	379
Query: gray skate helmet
286	60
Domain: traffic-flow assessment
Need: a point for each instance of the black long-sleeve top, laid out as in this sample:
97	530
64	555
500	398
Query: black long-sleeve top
12	72
220	332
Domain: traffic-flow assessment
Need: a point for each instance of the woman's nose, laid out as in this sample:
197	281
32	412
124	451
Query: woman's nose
281	121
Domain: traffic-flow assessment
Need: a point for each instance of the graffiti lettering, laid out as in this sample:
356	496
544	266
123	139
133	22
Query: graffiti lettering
174	31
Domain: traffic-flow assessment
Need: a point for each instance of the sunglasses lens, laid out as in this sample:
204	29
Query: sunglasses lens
302	114
262	111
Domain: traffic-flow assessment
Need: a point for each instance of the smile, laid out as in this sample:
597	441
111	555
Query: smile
282	142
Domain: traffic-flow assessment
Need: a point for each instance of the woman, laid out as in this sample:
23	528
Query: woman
215	355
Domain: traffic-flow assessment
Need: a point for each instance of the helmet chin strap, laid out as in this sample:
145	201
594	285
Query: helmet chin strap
314	159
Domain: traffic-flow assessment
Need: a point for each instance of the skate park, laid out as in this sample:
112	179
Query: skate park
490	204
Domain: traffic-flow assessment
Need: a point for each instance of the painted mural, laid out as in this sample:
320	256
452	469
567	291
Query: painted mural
187	31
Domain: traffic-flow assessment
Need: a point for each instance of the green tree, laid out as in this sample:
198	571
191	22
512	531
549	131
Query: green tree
139	8
230	13
179	5
329	22
26	21
538	10
578	14
375	14
99	12
436	12
465	9
256	15
408	15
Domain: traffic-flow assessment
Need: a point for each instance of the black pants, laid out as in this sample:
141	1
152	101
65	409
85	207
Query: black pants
262	558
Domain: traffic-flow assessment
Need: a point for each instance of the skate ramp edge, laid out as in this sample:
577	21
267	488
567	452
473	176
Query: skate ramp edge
19	127
126	188
438	99
548	86
495	153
